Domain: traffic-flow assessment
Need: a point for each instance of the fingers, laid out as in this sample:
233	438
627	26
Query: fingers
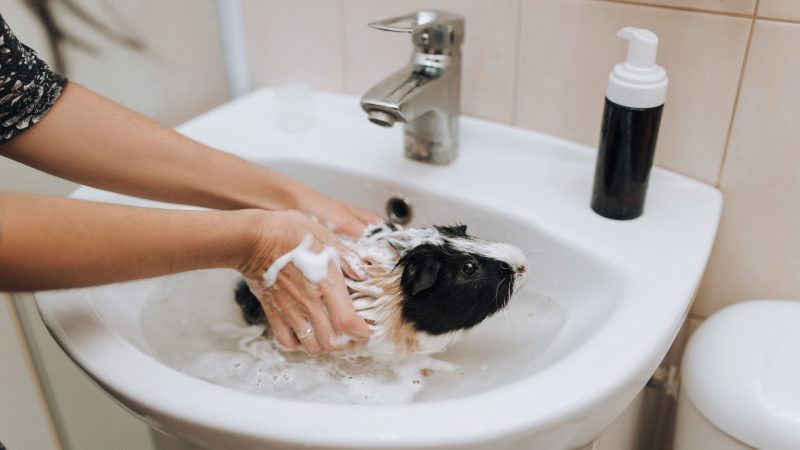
340	307
351	228
304	333
298	313
323	330
351	220
365	216
307	315
352	264
284	334
294	299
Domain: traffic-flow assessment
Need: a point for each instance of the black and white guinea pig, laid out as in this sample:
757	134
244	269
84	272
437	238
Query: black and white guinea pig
427	286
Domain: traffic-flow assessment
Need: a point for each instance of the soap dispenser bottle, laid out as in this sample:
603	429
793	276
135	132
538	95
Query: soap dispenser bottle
635	98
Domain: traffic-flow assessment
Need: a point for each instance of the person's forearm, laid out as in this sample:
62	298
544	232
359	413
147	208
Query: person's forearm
90	140
51	243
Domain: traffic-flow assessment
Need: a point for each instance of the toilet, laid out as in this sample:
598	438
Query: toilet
741	380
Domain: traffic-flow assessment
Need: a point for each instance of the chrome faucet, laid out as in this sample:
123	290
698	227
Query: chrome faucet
425	95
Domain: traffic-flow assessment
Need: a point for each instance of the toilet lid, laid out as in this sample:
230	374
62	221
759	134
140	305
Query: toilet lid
741	370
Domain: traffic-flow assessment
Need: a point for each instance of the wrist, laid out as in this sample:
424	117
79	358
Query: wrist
252	233
293	194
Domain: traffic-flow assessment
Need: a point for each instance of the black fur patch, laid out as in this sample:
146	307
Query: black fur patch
251	308
440	297
456	230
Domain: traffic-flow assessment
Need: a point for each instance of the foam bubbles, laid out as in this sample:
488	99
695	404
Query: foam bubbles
258	367
191	323
313	266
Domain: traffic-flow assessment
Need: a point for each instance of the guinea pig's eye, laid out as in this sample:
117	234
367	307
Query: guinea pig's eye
469	268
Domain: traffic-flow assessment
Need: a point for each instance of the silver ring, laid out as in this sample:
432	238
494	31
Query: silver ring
309	331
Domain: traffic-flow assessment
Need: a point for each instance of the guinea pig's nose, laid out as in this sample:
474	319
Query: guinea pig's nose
522	268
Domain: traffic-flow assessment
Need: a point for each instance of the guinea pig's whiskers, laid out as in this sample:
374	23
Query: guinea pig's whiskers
508	310
497	294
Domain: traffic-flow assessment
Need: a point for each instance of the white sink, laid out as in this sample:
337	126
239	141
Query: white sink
603	303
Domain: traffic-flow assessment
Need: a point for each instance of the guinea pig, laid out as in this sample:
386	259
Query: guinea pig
426	287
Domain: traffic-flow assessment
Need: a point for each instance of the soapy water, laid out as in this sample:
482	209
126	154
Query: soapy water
259	367
192	324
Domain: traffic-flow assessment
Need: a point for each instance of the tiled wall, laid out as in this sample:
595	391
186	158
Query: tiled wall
731	118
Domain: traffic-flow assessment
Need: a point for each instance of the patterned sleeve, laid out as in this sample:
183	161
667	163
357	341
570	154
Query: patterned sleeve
28	88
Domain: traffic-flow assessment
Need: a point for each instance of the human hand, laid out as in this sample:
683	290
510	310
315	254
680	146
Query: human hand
300	312
340	217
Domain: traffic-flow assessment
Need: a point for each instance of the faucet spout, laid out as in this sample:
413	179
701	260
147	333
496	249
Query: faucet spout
425	95
381	118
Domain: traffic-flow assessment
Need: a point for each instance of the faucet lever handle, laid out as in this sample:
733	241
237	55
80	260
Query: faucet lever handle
427	22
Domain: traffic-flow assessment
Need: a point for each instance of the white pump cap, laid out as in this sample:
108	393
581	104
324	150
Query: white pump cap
638	82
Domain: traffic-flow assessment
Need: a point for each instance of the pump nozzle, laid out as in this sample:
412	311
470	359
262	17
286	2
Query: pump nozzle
642	48
638	82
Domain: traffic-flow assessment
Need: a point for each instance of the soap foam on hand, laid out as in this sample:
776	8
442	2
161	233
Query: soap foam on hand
313	266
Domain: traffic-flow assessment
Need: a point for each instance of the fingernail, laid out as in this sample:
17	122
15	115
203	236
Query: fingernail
362	334
355	263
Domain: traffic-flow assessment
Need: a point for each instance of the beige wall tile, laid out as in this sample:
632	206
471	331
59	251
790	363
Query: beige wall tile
180	75
489	49
182	71
294	41
757	253
727	6
568	47
779	9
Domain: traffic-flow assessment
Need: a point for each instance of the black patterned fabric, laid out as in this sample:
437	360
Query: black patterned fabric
28	88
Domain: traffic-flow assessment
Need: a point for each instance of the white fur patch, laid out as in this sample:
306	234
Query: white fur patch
379	298
499	251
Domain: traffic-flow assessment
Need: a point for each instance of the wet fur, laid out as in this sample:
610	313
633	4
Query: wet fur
418	299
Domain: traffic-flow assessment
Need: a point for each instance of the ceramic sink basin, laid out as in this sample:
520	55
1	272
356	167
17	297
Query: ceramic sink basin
603	303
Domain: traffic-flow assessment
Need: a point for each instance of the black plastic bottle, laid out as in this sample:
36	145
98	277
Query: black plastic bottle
635	99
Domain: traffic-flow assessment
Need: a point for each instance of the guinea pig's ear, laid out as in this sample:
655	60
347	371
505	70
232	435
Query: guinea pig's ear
462	230
421	275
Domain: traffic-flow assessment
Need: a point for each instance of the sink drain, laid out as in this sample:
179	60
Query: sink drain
399	210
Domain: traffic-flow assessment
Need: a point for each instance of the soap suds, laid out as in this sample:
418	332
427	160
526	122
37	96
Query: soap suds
313	266
259	367
190	323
